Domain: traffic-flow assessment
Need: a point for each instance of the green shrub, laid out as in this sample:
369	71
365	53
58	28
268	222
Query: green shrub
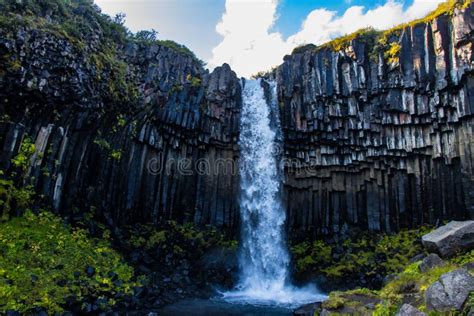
13	198
43	263
22	159
392	55
116	154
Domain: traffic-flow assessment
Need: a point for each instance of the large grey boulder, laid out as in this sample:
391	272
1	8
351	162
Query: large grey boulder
450	238
450	291
408	310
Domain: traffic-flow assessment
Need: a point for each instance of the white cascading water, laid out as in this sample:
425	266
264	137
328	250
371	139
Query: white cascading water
264	257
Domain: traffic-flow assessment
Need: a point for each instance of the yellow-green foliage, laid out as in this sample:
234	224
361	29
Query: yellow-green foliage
384	309
116	154
409	283
334	301
393	53
366	254
102	143
446	8
366	35
113	71
464	258
195	81
22	159
40	256
13	198
347	300
311	254
121	120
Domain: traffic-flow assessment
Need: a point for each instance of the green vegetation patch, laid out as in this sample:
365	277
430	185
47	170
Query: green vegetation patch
180	240
352	302
408	285
364	254
44	262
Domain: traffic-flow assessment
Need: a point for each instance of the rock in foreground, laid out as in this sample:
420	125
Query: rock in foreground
450	292
450	238
408	310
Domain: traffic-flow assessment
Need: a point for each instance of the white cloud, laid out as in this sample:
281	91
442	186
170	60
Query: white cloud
248	45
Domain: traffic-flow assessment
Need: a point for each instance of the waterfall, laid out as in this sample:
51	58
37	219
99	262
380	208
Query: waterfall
264	257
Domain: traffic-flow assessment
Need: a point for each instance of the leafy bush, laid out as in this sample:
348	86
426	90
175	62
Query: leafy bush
13	198
146	36
195	81
22	159
393	53
43	264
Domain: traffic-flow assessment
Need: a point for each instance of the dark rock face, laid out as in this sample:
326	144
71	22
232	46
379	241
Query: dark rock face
129	161
377	145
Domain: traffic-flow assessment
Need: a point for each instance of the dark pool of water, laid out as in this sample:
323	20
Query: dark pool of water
217	307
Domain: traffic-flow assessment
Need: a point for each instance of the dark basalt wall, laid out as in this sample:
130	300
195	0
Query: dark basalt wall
370	144
381	145
92	153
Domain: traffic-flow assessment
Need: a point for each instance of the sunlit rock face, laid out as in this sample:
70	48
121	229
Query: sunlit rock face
376	145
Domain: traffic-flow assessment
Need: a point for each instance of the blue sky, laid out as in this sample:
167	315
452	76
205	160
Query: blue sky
254	35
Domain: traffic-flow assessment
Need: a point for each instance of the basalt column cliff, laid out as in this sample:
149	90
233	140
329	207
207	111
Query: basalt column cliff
377	126
106	114
381	138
